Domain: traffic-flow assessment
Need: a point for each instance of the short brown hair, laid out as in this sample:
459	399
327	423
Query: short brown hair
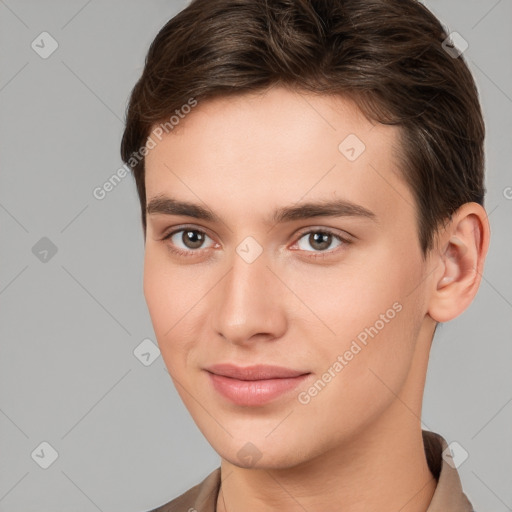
386	55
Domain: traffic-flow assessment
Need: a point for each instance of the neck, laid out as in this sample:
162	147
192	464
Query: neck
385	470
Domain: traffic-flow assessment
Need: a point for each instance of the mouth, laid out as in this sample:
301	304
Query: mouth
254	385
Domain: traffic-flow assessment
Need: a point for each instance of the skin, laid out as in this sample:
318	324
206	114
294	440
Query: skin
357	444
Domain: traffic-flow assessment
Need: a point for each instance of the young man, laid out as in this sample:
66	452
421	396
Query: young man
311	181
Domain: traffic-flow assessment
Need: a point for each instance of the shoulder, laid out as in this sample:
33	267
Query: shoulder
200	498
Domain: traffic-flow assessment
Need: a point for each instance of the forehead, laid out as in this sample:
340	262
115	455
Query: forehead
246	153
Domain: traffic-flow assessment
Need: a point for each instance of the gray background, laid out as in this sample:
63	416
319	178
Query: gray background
70	321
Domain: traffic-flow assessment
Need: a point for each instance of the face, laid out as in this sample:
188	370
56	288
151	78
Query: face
252	276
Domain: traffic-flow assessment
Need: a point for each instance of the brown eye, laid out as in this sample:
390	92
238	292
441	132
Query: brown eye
319	240
187	240
192	239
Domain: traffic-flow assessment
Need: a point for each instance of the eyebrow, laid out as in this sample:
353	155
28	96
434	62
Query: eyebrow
334	208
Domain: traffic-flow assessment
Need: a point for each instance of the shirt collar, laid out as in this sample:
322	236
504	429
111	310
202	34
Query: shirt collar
448	495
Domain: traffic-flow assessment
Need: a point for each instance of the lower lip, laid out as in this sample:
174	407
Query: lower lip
253	392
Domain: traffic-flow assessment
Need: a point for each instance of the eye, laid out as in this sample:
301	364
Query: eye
320	240
186	241
189	241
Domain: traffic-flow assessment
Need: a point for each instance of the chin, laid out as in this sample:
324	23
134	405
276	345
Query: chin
261	455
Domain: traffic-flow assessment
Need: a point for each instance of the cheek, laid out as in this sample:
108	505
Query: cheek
360	370
158	292
346	298
169	295
366	314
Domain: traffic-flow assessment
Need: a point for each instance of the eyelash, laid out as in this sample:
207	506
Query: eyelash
317	255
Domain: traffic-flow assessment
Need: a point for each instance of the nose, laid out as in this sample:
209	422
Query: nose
249	303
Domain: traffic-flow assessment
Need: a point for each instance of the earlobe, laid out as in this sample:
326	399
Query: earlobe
463	246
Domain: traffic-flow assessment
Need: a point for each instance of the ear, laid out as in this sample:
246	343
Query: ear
458	262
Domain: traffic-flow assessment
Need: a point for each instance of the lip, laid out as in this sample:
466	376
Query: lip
256	372
253	385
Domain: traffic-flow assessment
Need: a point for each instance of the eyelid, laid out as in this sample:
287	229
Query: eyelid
343	235
183	227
